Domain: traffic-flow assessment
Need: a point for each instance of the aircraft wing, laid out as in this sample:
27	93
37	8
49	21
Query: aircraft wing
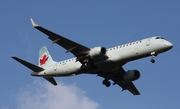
116	76
78	50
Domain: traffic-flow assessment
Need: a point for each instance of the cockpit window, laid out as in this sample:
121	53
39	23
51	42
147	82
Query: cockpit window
159	38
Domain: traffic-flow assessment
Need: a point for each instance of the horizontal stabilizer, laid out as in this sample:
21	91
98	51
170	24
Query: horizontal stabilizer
29	65
51	80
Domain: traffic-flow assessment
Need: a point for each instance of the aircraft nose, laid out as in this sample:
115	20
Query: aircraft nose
169	44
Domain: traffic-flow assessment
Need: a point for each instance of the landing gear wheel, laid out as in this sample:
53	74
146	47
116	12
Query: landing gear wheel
152	60
106	83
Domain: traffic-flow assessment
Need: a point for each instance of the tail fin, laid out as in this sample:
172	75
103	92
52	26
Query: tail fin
35	68
45	58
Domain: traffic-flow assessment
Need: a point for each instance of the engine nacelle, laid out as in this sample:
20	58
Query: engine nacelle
131	75
97	52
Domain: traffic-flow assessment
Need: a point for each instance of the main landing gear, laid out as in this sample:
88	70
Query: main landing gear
106	82
153	54
87	64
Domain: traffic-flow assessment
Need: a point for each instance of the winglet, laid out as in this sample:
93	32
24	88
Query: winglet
33	23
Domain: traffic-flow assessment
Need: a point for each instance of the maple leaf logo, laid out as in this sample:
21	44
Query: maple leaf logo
43	59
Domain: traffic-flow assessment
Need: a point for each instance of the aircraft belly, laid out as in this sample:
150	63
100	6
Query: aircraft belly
107	65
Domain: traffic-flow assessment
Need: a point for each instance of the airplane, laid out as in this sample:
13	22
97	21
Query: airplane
103	62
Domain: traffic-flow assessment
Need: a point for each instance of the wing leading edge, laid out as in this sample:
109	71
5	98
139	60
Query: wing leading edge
77	49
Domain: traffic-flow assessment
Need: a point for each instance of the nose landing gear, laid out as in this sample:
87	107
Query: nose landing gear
153	54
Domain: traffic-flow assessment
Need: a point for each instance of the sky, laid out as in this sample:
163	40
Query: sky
90	23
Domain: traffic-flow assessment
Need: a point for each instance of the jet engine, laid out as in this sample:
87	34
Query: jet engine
131	75
97	52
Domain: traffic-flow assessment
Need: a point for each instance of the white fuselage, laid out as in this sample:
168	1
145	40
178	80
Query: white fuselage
117	56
